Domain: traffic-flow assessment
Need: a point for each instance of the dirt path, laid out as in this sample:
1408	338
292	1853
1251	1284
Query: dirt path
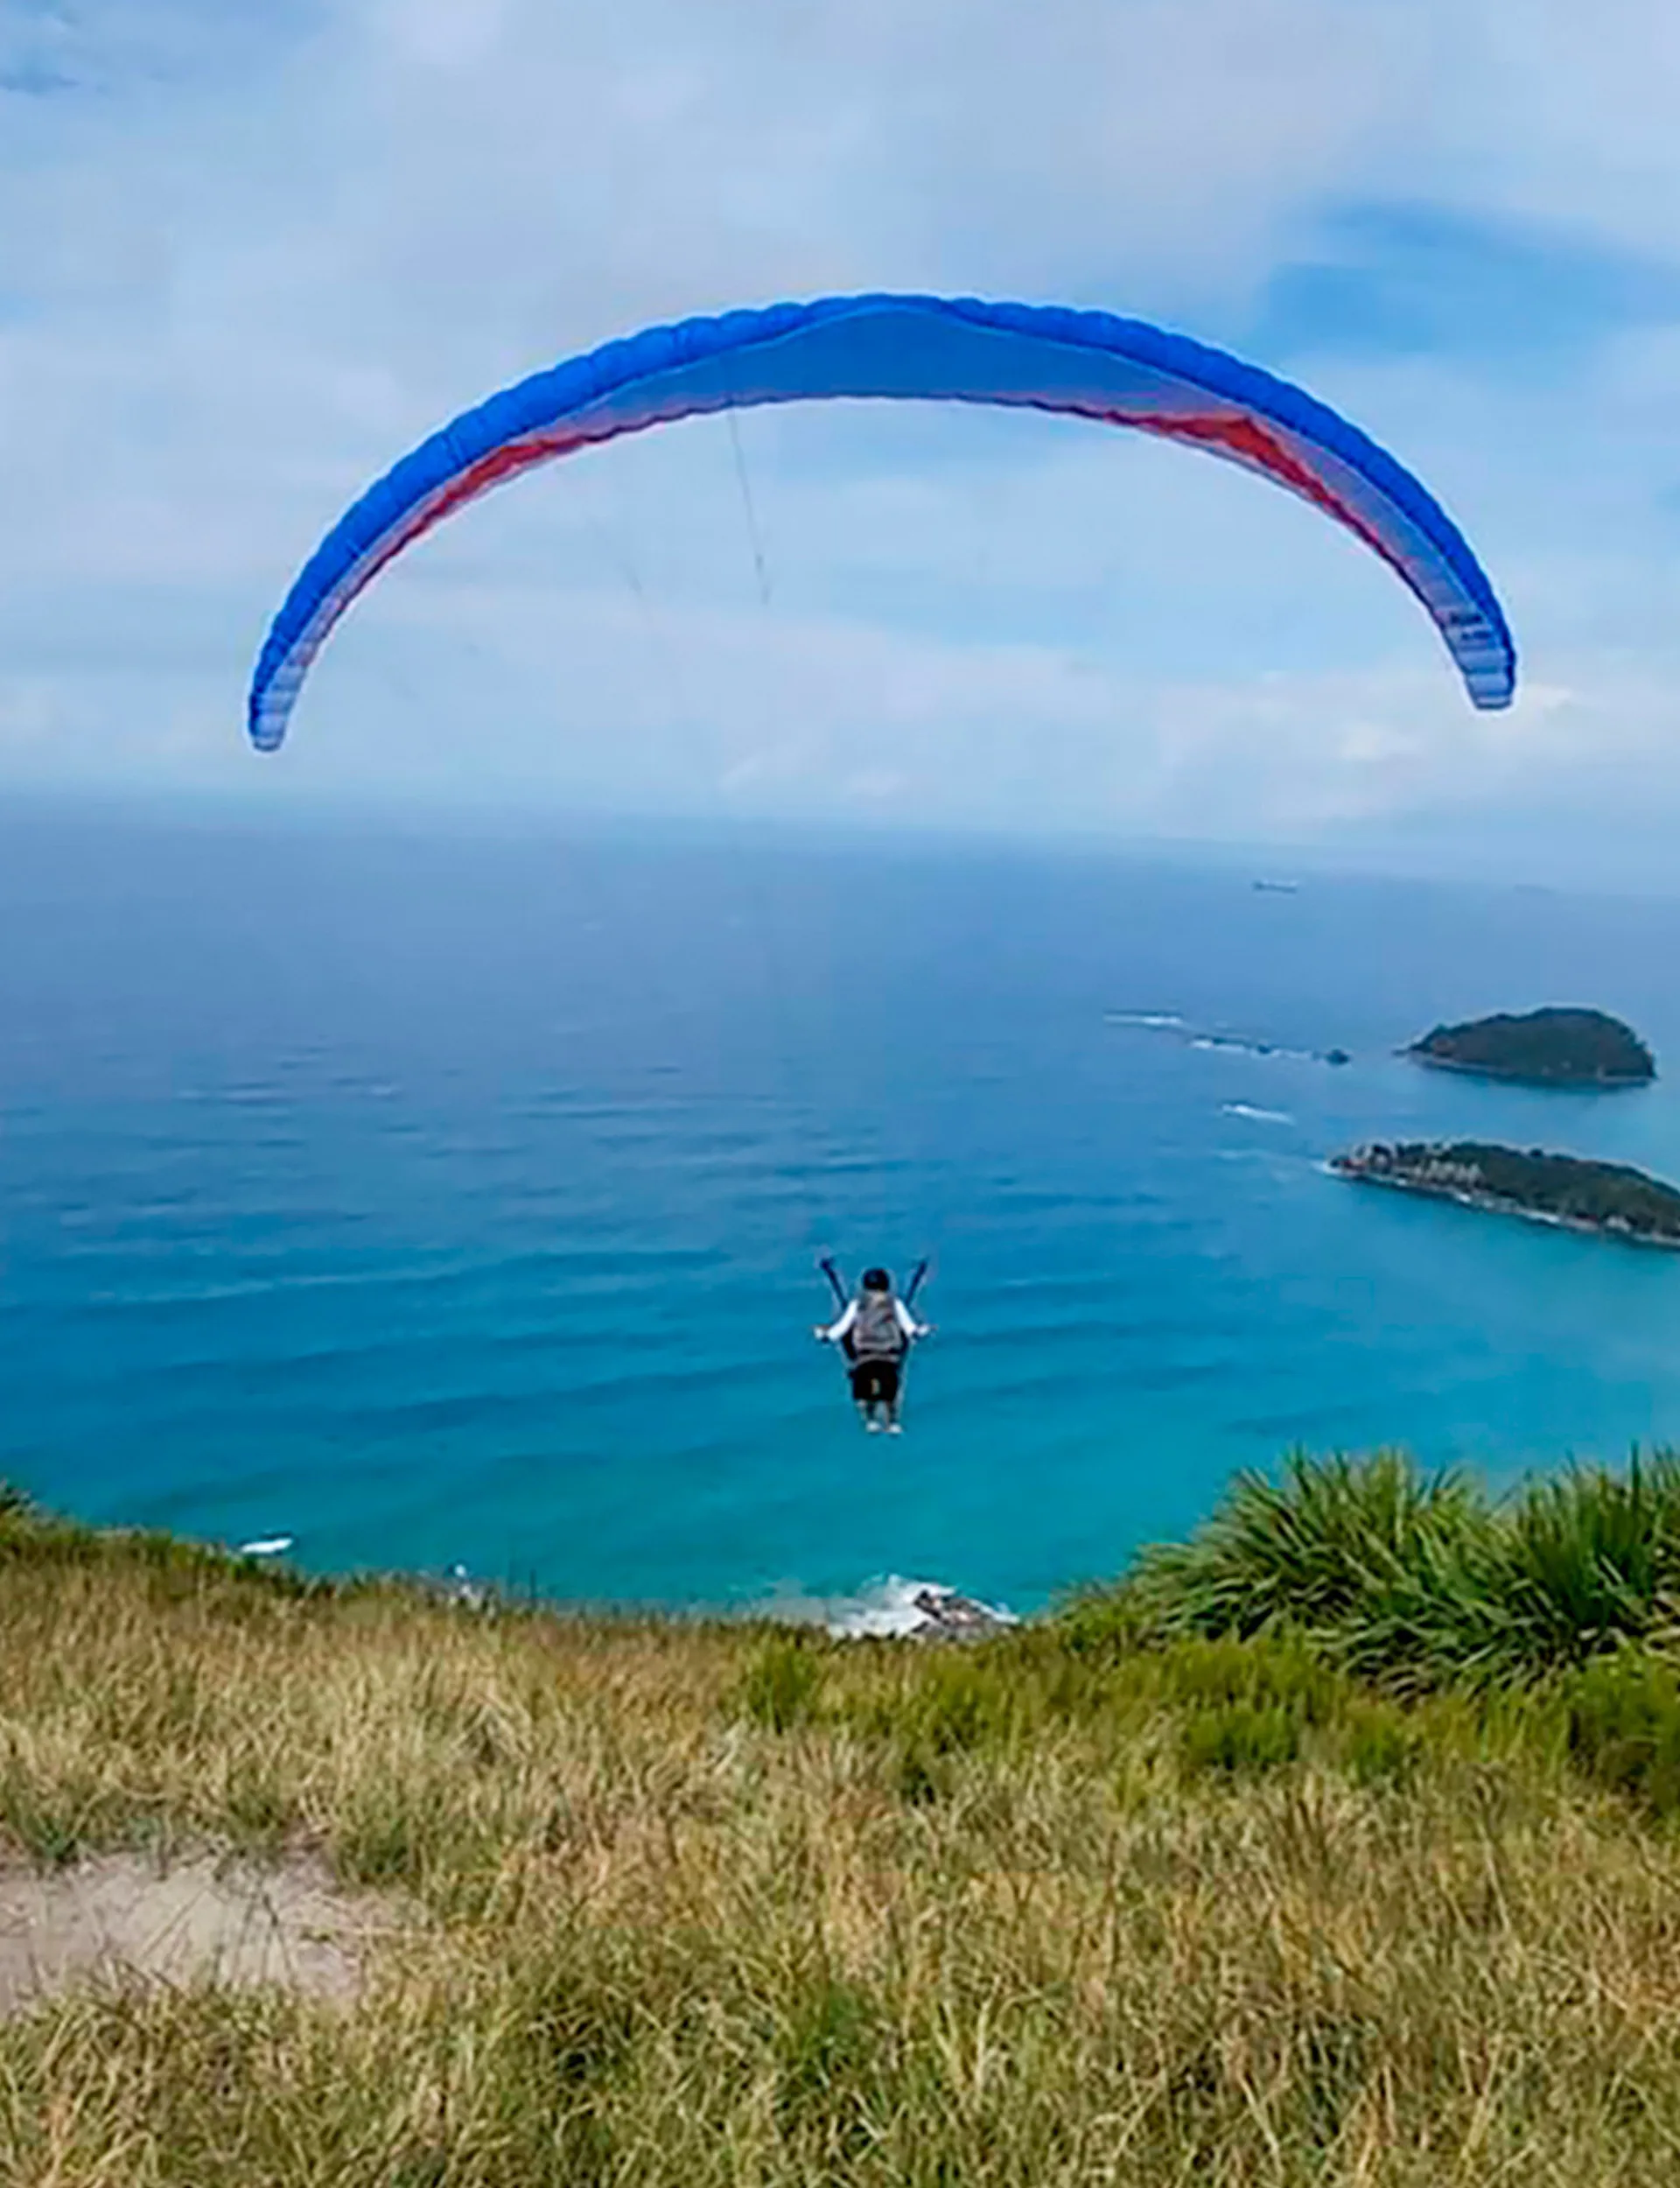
118	1918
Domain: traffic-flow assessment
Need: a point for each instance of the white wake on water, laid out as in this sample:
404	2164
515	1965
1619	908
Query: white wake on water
1258	1116
1212	1043
1237	1046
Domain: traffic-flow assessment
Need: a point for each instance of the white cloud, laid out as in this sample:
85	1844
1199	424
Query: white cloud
444	33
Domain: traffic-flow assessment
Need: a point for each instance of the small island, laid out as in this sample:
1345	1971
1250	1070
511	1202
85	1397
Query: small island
1544	1048
1610	1198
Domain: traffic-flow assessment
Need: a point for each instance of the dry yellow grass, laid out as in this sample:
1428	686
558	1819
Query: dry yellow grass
695	1905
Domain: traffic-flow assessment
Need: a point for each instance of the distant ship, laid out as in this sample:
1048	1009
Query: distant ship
1278	889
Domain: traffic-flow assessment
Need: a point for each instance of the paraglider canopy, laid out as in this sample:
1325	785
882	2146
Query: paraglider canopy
1083	364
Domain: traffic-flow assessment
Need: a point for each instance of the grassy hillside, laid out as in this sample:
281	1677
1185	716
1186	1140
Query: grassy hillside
1335	1846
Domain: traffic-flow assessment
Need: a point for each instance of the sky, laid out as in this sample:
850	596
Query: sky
249	255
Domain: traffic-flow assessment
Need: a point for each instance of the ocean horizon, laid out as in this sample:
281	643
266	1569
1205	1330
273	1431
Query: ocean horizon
434	1200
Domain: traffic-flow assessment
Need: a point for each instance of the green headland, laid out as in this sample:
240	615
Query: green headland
1339	1845
1612	1198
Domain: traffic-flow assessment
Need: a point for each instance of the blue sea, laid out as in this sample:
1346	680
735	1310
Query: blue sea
441	1200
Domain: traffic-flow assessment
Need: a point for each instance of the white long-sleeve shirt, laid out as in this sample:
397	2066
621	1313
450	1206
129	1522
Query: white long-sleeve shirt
837	1331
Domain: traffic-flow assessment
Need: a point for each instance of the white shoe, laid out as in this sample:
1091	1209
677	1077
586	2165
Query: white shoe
872	1427
895	1428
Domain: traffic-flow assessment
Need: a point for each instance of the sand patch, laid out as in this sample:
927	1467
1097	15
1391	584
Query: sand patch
118	1918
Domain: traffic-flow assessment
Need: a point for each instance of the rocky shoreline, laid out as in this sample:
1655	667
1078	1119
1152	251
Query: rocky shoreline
1503	1074
1602	1199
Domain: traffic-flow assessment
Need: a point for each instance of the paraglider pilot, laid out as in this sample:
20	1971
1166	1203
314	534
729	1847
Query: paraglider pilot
875	1330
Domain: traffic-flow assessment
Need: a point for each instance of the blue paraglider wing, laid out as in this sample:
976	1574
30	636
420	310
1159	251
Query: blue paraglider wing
1084	364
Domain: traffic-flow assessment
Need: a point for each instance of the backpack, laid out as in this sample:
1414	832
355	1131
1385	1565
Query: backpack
876	1335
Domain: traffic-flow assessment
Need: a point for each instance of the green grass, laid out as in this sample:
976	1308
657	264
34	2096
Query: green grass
1337	1849
781	1682
1422	1580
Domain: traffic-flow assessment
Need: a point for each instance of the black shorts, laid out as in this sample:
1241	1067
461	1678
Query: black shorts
876	1382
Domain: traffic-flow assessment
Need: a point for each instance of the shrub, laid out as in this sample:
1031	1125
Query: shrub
1276	1672
1334	1539
948	1702
1241	1738
1415	1580
781	1684
1380	1743
1101	1627
1584	1561
1623	1715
